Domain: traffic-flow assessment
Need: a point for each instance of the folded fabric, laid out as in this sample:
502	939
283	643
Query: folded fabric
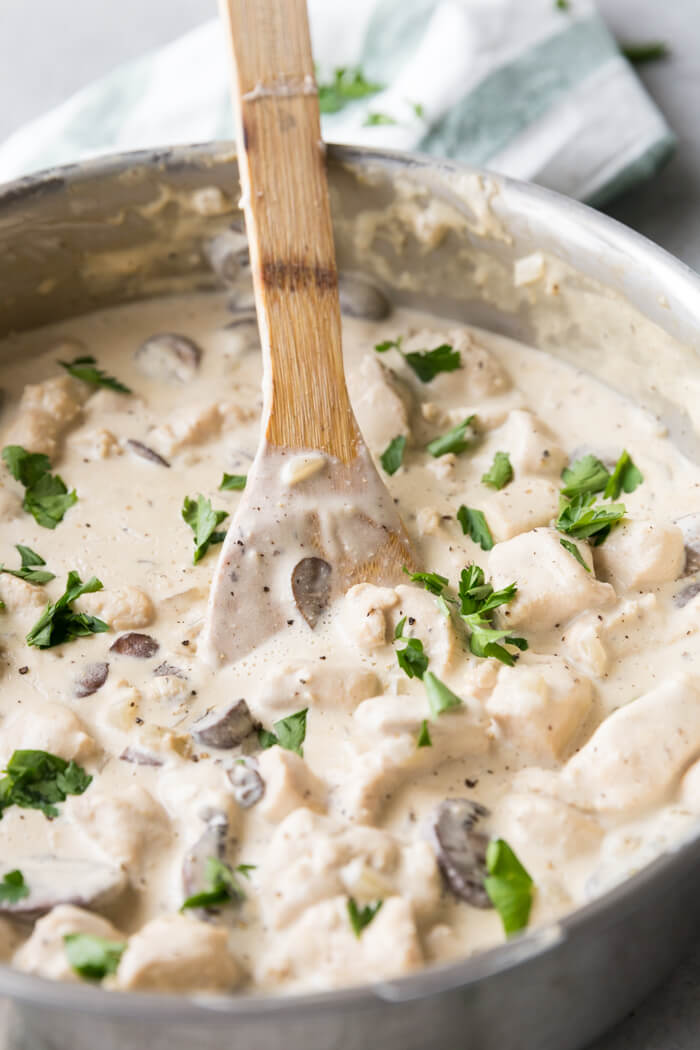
537	90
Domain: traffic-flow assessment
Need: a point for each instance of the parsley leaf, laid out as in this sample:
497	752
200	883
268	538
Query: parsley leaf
645	52
584	476
425	363
13	888
347	86
440	698
484	640
38	780
373	120
573	549
93	957
626	477
28	570
474	524
85	368
508	885
289	733
477	601
203	519
361	917
412	659
392	456
388	344
432	581
499	473
233	482
60	623
222	886
424	735
583	518
455	440
46	497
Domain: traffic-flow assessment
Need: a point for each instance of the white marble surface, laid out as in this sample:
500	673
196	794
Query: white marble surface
49	48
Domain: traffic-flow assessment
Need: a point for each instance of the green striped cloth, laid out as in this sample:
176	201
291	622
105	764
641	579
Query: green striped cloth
532	88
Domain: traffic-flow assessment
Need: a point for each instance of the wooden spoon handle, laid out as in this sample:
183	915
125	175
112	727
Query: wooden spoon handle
287	212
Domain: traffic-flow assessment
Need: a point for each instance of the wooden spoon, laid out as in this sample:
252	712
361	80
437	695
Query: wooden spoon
315	516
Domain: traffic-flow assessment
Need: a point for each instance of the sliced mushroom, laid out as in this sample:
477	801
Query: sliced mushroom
461	849
169	356
248	785
360	298
91	678
140	758
212	843
56	880
169	670
225	729
135	644
228	254
311	587
687	594
689	525
146	452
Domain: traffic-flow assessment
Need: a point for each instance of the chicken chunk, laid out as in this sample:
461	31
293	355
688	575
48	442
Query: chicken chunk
540	705
20	596
524	504
482	372
123	608
193	425
638	753
308	684
382	404
545	832
638	555
45	412
289	784
363	618
51	727
177	953
322	951
96	444
124	826
552	586
532	447
45	952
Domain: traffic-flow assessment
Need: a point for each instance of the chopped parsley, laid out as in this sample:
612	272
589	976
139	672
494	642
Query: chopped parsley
93	957
412	659
347	85
361	917
424	735
46	496
373	120
38	780
474	525
203	520
418	110
28	570
13	888
508	885
60	623
85	368
392	456
573	550
432	581
562	5
650	51
222	886
289	733
440	698
626	477
499	473
584	476
456	440
584	519
233	482
425	363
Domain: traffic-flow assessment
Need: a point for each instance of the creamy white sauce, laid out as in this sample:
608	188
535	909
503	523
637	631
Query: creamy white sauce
578	826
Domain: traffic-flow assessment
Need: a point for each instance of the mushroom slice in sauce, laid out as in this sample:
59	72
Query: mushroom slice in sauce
461	849
689	525
140	758
56	880
311	586
228	254
212	843
91	678
169	356
248	785
225	729
146	452
135	644
360	298
168	670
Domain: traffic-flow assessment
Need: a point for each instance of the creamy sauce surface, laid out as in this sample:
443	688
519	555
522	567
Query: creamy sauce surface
582	754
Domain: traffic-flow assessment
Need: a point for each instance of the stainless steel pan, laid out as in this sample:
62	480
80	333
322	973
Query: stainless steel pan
444	237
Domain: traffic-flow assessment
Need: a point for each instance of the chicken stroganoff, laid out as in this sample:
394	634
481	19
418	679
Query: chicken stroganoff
405	776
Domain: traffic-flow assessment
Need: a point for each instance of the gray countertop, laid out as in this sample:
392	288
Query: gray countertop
80	40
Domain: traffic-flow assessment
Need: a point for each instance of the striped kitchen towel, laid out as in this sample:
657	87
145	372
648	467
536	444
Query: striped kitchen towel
536	89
